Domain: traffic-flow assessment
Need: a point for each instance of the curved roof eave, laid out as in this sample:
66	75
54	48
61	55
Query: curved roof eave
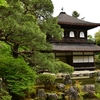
76	47
65	19
80	24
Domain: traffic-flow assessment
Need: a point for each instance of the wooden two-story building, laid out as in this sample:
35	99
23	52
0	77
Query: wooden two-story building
74	48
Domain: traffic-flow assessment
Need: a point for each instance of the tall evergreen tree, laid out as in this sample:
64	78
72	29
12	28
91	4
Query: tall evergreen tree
24	25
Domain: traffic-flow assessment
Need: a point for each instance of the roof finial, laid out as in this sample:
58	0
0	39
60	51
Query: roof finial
62	9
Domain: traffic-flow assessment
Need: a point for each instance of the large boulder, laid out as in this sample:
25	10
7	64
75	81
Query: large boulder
72	92
89	90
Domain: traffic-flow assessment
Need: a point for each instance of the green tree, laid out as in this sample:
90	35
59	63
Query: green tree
97	61
75	14
97	56
97	37
24	26
90	38
18	77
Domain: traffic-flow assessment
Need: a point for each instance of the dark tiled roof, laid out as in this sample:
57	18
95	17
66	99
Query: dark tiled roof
63	18
75	47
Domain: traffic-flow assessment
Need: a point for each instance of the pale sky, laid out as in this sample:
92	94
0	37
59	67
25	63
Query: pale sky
90	9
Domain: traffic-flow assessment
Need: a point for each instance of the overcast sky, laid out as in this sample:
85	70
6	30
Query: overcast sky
90	9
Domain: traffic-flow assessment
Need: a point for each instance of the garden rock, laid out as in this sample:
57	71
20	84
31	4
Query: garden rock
67	80
91	75
73	93
98	74
90	90
41	94
52	96
60	86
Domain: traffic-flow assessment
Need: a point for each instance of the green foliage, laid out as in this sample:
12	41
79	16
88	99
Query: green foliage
81	93
3	3
90	38
97	57
97	86
63	67
47	61
97	37
4	95
75	14
46	79
97	95
24	26
17	75
50	28
97	61
4	49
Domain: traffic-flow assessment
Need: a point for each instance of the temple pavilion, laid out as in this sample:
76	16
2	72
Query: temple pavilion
74	48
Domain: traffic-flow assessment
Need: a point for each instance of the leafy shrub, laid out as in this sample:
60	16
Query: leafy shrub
63	67
46	79
17	76
4	95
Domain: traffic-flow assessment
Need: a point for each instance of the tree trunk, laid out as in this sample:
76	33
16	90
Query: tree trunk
15	50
